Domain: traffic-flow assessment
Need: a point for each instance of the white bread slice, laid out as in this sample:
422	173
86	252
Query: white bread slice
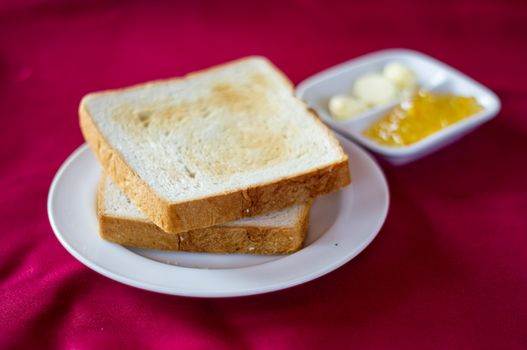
214	146
278	232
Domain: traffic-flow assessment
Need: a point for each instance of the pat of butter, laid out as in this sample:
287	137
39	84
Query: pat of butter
344	107
374	89
400	75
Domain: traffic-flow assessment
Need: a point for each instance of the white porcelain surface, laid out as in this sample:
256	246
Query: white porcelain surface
432	75
342	225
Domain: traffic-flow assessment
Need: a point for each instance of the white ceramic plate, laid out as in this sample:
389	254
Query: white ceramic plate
432	75
342	225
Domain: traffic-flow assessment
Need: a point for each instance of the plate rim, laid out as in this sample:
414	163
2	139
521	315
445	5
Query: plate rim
181	291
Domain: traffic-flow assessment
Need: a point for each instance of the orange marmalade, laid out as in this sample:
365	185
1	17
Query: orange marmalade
420	116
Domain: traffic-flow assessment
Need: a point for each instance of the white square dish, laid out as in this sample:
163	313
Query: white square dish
432	75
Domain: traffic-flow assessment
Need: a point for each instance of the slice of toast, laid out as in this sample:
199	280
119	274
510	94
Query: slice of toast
278	232
213	147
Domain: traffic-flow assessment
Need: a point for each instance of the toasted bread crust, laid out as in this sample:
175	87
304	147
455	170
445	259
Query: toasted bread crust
196	74
214	210
218	239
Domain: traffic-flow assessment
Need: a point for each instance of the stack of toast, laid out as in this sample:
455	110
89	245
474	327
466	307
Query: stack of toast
224	160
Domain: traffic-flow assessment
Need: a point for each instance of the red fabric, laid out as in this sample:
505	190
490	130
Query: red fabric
449	268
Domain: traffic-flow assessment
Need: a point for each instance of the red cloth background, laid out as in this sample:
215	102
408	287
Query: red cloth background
449	268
